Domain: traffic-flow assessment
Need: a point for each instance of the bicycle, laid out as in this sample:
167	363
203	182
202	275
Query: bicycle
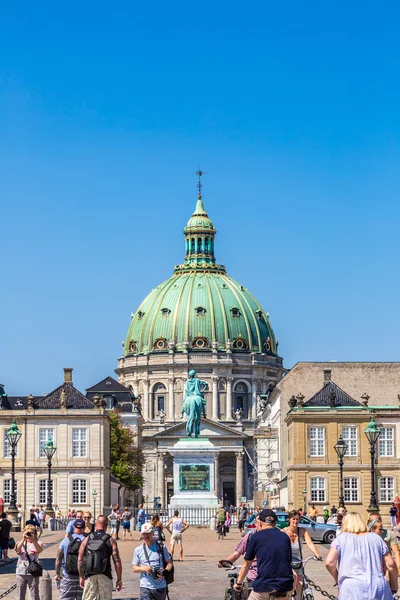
298	565
230	592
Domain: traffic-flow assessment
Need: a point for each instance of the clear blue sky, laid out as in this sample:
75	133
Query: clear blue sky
106	109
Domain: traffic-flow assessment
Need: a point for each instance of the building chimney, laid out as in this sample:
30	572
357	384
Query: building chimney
327	376
67	375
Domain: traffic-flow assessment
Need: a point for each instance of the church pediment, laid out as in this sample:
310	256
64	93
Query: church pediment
208	429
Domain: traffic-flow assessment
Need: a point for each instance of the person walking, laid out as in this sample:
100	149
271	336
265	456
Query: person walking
20	514
67	563
273	551
42	519
375	525
157	528
242	516
393	516
33	521
94	563
118	513
298	536
221	518
89	525
152	561
141	517
113	517
176	527
126	524
28	550
355	563
70	527
313	512
5	528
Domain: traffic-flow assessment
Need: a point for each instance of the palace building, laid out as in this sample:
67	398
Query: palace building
200	318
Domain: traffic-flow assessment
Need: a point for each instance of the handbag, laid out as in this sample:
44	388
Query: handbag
34	568
11	543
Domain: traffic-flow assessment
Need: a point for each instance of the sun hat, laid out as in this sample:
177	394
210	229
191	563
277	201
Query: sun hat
147	528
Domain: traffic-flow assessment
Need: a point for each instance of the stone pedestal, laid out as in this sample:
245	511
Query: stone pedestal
194	472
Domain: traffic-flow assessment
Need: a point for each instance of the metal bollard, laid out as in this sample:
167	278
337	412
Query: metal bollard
45	586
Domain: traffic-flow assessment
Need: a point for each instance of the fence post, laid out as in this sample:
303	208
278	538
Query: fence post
45	586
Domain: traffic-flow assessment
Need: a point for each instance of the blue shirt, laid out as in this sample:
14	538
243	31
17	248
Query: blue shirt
273	551
155	561
70	527
64	546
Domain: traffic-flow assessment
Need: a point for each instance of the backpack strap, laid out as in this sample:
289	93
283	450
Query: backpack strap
146	553
71	539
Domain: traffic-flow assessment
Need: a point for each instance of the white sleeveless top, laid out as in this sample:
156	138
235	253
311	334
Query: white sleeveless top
177	525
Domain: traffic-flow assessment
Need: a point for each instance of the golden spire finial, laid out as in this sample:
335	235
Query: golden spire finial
199	185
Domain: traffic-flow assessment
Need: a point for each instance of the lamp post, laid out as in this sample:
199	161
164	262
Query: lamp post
304	492
13	435
94	495
341	449
372	431
49	450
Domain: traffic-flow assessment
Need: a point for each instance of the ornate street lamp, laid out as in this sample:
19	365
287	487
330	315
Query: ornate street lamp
372	431
341	449
13	436
304	492
49	450
94	495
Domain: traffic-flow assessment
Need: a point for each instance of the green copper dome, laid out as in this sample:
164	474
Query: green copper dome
200	308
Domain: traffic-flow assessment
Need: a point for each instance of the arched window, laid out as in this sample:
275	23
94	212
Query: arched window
200	311
200	343
158	400
240	344
165	312
192	246
199	244
206	245
160	344
241	399
132	346
235	312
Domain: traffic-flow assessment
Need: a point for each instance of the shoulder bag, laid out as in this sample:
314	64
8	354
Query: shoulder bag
34	568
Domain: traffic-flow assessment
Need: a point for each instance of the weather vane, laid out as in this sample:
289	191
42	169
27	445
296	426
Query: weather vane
199	185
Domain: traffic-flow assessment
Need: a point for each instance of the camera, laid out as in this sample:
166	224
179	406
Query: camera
155	572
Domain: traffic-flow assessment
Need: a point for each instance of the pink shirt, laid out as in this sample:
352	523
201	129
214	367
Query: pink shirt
241	548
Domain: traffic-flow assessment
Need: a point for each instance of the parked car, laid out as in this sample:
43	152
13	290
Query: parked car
319	532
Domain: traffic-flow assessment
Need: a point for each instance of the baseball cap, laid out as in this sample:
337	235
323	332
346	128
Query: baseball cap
147	528
79	524
267	515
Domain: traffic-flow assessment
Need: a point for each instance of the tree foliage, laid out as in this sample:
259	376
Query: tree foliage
126	458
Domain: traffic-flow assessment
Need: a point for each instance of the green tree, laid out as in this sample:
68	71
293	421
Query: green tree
126	458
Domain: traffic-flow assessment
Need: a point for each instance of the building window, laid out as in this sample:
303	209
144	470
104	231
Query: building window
235	312
240	344
43	487
317	486
200	311
200	342
160	344
317	441
79	491
7	490
386	442
165	312
386	489
44	435
161	403
350	488
79	443
110	402
349	435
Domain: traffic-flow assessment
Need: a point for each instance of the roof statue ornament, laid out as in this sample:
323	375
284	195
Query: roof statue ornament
194	404
238	415
365	398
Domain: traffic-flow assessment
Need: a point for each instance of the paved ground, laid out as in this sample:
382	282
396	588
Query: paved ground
196	578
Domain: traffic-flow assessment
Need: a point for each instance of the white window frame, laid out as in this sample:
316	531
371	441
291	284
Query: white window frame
317	441
42	489
386	441
79	495
42	442
350	436
351	489
80	445
318	492
7	493
386	493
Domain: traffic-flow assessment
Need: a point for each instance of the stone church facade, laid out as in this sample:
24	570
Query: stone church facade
200	319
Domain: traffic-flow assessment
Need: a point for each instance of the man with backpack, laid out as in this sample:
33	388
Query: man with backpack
67	563
94	563
153	561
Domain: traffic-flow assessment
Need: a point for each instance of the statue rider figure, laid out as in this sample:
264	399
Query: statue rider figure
194	404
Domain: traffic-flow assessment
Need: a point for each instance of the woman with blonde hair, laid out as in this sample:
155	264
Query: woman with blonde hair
28	550
355	562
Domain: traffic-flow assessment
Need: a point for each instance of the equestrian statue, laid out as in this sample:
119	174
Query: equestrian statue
194	404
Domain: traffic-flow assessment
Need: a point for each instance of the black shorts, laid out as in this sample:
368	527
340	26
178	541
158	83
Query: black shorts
241	523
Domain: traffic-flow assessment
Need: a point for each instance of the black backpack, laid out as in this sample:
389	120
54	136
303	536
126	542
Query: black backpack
97	554
158	534
71	560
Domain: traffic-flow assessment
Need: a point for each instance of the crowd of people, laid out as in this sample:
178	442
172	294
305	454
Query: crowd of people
364	559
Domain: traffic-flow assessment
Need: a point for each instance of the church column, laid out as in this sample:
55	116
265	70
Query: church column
215	398
171	399
239	477
146	401
216	475
229	398
253	399
161	478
